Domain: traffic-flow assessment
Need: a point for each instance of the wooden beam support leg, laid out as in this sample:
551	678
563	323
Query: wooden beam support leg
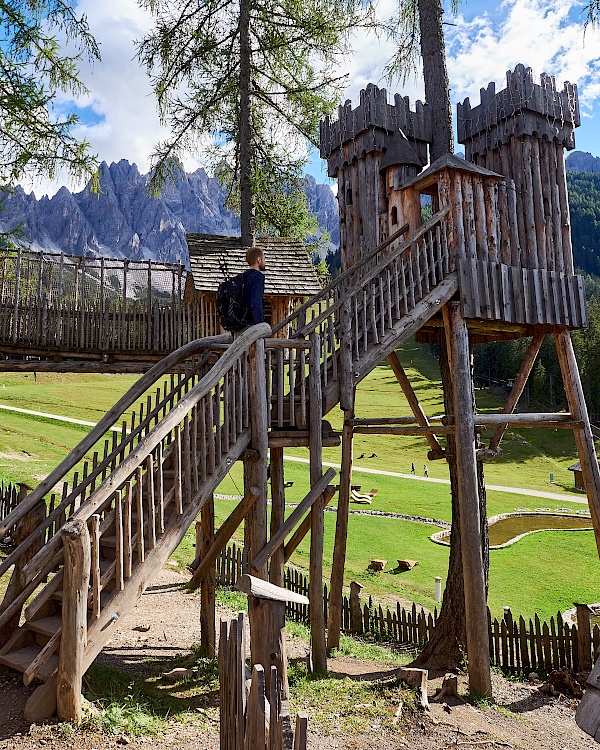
255	469
334	623
474	577
317	616
413	401
518	386
276	569
76	543
583	435
208	635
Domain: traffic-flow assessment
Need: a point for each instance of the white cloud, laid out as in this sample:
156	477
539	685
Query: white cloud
540	33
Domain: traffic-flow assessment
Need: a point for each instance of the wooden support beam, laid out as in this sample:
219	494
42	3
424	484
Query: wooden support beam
255	471
518	386
277	540
76	543
368	421
412	399
405	430
222	536
478	653
276	568
304	528
208	633
583	435
334	622
317	617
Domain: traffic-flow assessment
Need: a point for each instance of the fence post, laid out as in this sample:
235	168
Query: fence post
356	615
584	638
76	543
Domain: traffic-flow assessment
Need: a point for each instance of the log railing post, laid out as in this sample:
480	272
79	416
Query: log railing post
317	615
207	587
276	568
341	534
470	529
76	544
255	461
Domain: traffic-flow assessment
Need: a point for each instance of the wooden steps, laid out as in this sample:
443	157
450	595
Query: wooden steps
21	659
45	626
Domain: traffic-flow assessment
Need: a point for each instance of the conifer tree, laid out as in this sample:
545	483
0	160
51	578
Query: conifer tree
35	140
247	81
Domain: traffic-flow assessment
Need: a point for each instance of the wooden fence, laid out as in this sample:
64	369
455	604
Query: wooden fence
516	644
9	498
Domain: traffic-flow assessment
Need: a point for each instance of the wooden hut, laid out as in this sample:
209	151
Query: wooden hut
290	275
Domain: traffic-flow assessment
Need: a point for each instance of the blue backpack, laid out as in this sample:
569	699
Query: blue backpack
233	312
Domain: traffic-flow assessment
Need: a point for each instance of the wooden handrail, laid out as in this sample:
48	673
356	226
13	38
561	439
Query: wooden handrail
108	421
400	250
145	447
340	279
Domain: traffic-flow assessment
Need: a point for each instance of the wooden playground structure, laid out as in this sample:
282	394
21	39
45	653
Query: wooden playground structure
493	261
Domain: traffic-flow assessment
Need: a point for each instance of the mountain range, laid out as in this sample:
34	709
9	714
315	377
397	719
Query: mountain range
122	221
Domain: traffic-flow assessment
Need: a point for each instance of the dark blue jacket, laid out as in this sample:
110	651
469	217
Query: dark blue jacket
254	289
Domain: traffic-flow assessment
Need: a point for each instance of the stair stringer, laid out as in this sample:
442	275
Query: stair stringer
121	602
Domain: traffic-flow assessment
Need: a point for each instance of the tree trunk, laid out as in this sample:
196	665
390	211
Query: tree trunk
447	646
245	144
435	74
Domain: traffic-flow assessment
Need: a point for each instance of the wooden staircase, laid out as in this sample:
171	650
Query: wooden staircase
149	478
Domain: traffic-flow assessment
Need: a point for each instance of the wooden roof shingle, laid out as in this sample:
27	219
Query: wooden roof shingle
289	271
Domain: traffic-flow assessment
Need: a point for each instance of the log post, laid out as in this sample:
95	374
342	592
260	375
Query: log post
208	634
266	609
356	613
17	583
276	569
470	532
583	435
584	638
346	373
341	535
317	616
255	461
76	543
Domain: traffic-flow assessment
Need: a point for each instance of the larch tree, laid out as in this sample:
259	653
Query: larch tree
35	138
420	34
246	82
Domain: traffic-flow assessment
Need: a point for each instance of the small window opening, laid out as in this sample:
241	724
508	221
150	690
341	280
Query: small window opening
394	215
349	197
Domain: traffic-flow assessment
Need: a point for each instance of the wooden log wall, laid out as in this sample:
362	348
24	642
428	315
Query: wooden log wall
520	268
354	144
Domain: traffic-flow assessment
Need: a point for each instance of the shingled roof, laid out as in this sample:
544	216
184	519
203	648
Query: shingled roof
289	270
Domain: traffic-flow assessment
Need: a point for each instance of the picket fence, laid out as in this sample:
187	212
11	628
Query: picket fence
9	498
516	644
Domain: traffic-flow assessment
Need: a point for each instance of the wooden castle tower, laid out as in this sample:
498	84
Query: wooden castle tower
493	260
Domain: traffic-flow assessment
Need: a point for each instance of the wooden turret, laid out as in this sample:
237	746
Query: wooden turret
372	149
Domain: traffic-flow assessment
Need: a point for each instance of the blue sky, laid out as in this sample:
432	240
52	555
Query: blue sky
486	39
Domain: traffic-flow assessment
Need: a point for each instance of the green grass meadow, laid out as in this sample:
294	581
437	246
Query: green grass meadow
542	573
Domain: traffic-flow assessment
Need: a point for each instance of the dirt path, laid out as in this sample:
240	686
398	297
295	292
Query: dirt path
165	624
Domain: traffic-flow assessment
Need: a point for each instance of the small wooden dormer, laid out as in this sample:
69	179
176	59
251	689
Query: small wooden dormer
290	276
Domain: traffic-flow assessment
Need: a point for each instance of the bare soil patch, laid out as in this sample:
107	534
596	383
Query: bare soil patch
165	625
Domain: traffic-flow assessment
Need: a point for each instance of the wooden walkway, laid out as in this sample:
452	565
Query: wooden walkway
68	313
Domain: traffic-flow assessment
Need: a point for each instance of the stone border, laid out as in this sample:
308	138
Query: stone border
437	537
570	615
